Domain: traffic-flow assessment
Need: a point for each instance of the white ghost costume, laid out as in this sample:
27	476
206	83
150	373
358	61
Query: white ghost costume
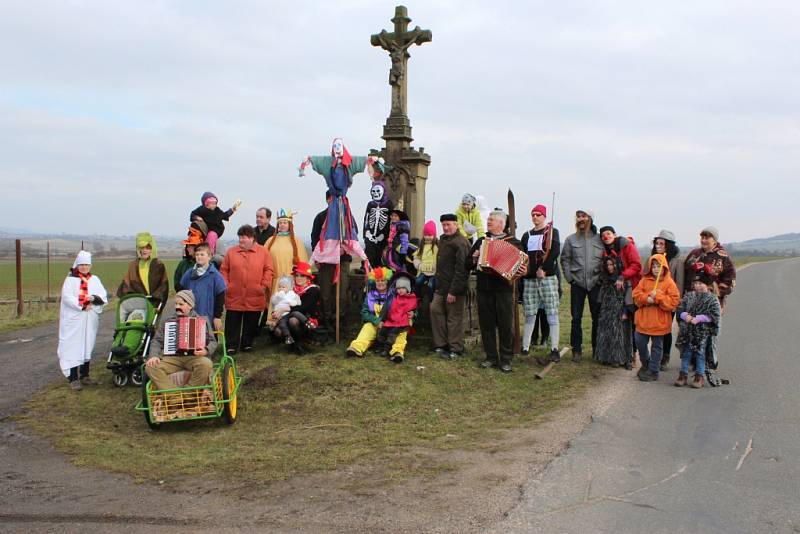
77	328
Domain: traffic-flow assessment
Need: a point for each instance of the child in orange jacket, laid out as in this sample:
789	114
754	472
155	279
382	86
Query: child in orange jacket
656	297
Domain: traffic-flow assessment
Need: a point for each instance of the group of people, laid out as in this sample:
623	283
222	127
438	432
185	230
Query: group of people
267	282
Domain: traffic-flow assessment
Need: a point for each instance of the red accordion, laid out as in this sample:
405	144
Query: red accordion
502	258
185	335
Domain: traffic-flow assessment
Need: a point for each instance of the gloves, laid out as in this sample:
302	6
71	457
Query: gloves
237	204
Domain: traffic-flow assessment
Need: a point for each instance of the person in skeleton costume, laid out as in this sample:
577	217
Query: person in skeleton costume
339	235
376	222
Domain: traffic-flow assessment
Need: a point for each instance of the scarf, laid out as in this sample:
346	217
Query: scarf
83	294
200	271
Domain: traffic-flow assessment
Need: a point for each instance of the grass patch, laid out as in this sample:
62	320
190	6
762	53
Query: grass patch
314	413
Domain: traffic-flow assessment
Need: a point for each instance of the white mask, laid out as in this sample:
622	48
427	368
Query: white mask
376	192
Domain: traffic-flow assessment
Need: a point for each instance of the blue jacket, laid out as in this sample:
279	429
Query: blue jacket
208	289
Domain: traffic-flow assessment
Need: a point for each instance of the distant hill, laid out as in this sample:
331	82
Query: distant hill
779	245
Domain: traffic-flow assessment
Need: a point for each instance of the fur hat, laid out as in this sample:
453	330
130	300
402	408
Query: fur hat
429	229
666	235
712	231
187	296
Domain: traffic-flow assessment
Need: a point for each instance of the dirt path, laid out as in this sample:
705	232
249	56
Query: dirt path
42	491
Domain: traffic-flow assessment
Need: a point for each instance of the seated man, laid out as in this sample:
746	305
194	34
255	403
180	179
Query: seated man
159	367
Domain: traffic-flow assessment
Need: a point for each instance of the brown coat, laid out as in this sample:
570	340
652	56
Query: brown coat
248	274
156	279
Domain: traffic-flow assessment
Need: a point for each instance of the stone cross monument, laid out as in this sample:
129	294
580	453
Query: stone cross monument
409	166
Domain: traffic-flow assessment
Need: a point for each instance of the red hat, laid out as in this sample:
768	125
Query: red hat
539	208
429	228
302	268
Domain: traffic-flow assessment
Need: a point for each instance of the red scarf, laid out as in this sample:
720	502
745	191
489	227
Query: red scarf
83	295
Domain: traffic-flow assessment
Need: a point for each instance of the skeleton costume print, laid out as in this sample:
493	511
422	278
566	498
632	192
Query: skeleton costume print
376	222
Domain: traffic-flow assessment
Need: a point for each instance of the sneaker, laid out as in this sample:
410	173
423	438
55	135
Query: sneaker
487	364
453	355
699	381
506	368
397	357
86	381
352	353
555	355
442	353
525	352
682	380
576	356
76	385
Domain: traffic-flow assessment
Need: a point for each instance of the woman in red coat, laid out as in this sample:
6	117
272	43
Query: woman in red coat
247	270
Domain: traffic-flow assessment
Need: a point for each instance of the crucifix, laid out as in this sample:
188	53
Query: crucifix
397	44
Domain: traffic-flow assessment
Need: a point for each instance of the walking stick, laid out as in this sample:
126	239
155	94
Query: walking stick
512	229
338	274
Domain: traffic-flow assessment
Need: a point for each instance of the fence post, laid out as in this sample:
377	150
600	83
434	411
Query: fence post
47	302
19	278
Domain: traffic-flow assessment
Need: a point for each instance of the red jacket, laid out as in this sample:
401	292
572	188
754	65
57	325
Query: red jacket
399	306
247	274
626	250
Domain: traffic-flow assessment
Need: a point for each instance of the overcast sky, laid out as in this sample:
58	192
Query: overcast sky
116	116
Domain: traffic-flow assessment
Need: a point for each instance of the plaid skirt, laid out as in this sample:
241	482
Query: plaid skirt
540	293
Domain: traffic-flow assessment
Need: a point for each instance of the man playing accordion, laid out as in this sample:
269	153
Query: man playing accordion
494	292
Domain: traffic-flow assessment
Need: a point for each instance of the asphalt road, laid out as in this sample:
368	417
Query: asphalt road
715	460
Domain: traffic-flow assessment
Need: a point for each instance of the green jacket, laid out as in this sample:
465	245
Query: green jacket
472	217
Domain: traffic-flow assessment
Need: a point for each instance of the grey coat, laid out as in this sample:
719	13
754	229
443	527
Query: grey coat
581	260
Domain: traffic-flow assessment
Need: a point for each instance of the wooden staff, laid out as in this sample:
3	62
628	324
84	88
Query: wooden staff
338	275
512	230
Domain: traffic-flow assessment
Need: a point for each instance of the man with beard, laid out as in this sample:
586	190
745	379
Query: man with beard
495	300
581	259
376	223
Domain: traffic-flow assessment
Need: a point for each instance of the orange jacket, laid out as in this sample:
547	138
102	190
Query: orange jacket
248	274
656	319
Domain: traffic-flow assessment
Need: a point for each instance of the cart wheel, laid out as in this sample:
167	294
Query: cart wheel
228	385
136	376
145	404
120	379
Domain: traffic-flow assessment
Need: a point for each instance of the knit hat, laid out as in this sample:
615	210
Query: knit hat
187	296
448	217
590	213
469	199
666	235
539	208
84	257
303	269
429	229
380	273
712	231
403	282
285	280
606	229
206	196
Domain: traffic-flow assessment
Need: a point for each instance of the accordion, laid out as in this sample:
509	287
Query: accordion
184	335
502	258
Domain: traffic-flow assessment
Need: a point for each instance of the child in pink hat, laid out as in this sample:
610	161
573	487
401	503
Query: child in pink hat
425	261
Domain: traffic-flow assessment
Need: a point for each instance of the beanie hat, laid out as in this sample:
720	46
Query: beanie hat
606	229
469	199
539	208
187	296
429	228
666	235
206	196
286	280
403	282
590	213
448	217
712	231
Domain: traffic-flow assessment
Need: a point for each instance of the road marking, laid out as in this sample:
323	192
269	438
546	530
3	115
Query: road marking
20	340
747	452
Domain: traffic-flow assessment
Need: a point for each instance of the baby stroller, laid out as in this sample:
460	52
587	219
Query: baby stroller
135	324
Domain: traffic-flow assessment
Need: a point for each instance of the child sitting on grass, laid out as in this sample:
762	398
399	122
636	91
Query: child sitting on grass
396	318
209	213
282	302
377	293
699	313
